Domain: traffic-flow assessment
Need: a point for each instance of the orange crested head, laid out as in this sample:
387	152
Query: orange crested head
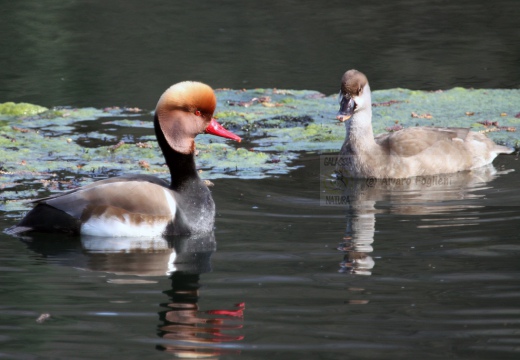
185	110
190	96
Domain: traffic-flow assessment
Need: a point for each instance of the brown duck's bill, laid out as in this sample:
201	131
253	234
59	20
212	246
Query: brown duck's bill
346	108
342	117
214	128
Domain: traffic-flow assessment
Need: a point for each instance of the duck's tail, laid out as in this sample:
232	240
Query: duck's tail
501	149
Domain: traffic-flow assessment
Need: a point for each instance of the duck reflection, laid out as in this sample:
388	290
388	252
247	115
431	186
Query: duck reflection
194	333
365	198
156	256
187	331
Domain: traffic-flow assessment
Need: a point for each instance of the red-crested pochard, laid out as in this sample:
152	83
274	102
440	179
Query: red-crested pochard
416	151
143	205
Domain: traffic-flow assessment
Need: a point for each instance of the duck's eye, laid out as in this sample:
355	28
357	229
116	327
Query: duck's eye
198	113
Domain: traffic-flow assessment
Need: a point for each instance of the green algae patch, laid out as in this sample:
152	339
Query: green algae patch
222	160
131	123
19	109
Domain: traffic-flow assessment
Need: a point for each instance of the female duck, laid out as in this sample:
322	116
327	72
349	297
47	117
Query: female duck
417	151
143	205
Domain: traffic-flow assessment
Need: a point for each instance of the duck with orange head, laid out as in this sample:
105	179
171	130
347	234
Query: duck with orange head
144	205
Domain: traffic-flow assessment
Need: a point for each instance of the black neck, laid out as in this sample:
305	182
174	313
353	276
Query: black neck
182	166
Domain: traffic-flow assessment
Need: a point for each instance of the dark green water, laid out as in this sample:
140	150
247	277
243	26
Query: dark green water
425	271
97	53
440	281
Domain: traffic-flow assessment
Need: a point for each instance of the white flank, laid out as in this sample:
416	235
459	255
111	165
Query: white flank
113	226
102	226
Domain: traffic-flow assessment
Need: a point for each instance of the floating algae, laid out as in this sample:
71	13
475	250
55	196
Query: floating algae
12	109
276	125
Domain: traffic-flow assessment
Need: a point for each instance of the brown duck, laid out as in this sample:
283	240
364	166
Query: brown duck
417	151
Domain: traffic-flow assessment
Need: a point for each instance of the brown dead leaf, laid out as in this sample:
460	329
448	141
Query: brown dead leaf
386	103
487	123
16	128
144	145
42	318
144	164
260	100
117	146
421	116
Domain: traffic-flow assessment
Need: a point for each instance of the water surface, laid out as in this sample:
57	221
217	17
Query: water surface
99	53
289	278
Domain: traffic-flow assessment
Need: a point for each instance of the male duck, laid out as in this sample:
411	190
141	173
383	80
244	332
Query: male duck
143	205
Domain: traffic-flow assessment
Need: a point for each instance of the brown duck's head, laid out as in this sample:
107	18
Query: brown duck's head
353	85
185	110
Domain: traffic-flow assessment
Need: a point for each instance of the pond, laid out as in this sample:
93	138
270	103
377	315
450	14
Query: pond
299	266
429	273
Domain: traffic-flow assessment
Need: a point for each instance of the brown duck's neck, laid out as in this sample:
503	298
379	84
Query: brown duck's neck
360	135
182	166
